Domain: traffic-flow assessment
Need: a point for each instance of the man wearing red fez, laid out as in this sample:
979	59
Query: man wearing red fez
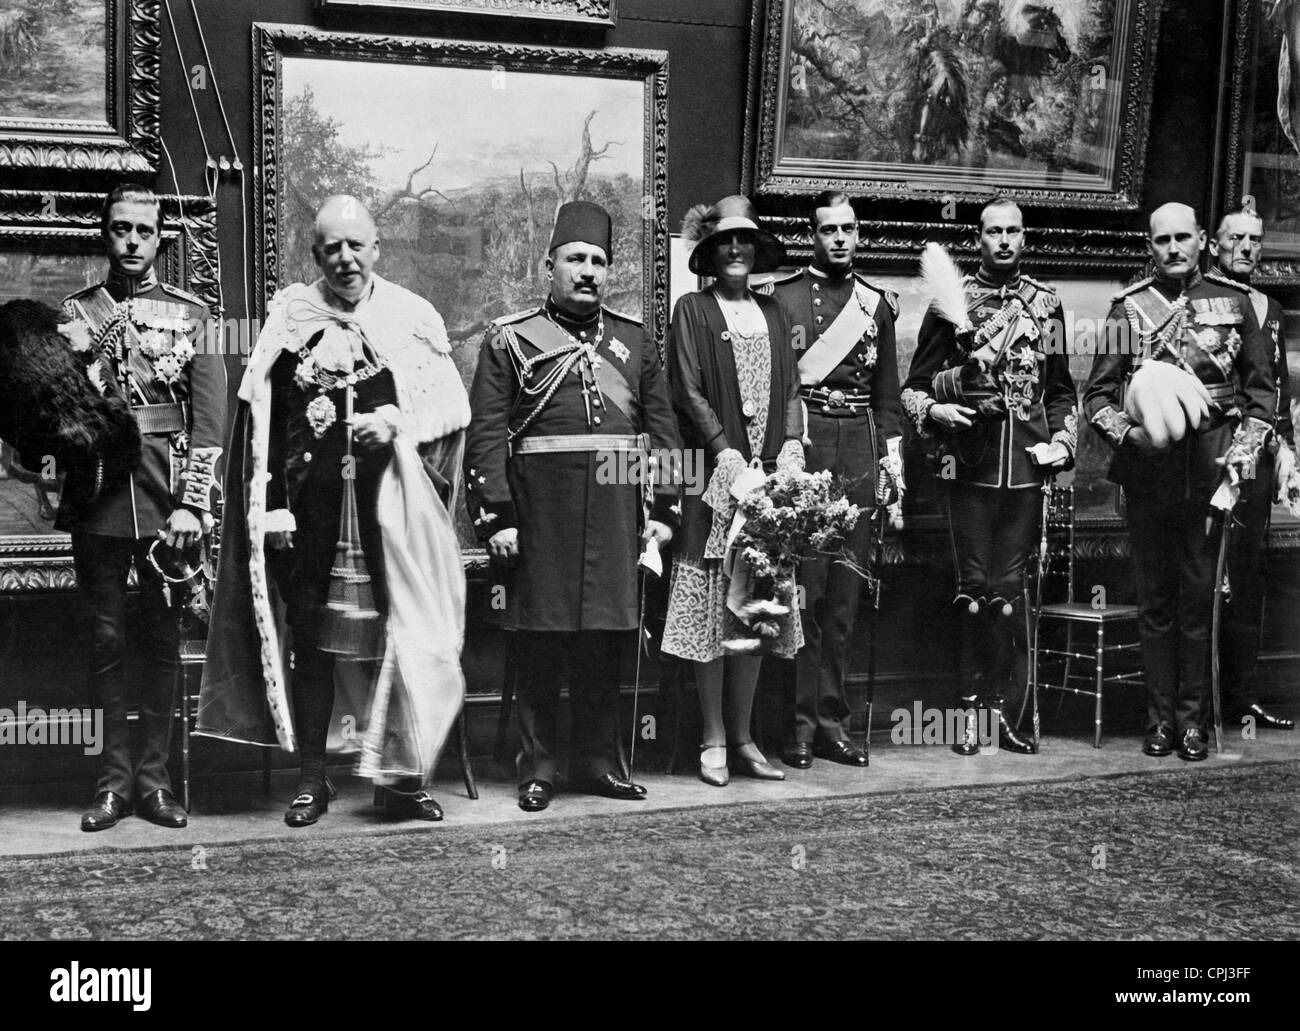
565	394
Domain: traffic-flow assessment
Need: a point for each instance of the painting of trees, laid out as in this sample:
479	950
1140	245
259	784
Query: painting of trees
52	59
473	243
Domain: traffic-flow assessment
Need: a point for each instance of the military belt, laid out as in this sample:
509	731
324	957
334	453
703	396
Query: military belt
167	418
835	402
581	442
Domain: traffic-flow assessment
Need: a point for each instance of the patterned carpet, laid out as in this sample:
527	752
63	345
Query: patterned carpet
1190	853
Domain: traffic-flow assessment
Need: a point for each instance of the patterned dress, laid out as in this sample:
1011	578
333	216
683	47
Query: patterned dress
698	620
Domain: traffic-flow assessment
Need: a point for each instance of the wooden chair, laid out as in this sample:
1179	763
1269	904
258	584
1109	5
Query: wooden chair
1050	569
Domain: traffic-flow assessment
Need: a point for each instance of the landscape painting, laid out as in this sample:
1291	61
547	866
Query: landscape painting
52	65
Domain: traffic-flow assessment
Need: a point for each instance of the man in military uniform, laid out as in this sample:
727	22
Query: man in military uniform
1236	248
150	343
999	396
564	397
1209	329
843	330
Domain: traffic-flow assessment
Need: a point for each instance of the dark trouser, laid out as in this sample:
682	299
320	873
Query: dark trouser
993	532
1174	560
316	512
102	564
589	661
1241	615
830	590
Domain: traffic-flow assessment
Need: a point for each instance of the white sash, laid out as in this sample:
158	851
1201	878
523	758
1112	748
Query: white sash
840	338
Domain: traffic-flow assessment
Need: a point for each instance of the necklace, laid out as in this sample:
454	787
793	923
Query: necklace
736	308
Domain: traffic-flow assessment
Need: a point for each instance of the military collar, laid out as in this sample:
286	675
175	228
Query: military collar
819	274
1176	287
566	320
1010	285
129	286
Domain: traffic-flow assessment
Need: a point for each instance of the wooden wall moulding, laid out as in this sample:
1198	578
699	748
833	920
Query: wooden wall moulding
908	101
79	85
896	246
577	12
50	246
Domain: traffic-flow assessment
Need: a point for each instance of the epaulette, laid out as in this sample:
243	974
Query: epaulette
183	295
890	297
519	316
1215	276
793	277
1137	287
1043	301
84	291
622	315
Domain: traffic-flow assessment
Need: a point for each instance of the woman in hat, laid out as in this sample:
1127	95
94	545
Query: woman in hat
735	387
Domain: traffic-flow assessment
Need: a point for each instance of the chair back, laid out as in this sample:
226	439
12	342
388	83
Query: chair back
1053	569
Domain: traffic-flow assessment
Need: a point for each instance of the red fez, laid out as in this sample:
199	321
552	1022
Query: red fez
581	221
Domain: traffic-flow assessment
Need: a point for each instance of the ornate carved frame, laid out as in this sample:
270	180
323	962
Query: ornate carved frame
581	12
69	223
271	43
128	140
763	174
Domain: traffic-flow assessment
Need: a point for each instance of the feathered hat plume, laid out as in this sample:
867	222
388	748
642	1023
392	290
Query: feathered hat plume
941	279
699	222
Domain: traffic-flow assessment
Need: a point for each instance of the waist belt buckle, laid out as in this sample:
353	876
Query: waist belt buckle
835	399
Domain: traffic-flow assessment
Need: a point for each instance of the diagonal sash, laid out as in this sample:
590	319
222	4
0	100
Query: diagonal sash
546	336
840	337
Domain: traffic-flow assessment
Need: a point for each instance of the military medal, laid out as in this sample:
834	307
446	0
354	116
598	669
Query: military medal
619	350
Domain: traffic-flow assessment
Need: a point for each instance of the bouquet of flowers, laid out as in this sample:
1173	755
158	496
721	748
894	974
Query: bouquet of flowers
776	523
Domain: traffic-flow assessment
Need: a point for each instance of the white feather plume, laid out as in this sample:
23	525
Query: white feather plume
941	279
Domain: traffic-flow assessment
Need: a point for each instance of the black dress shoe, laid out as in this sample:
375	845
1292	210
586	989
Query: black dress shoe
1009	738
420	806
161	808
1192	746
844	752
534	796
1159	741
107	809
611	785
1264	718
798	756
308	807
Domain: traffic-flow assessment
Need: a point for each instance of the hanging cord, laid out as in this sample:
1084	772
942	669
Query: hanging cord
190	247
237	165
210	166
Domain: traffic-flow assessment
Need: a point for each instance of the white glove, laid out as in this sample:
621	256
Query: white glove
790	457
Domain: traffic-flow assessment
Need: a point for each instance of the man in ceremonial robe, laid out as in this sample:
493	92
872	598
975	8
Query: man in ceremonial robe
345	461
843	332
1208	329
149	344
571	417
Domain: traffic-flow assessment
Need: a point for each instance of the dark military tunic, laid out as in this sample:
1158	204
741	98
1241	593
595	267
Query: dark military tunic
1034	379
154	348
1208	327
853	410
993	514
578	512
1242	614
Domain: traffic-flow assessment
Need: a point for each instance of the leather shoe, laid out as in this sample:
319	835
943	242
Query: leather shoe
1159	741
308	807
844	752
107	809
798	756
758	768
611	785
1264	718
420	806
161	808
1192	746
534	796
